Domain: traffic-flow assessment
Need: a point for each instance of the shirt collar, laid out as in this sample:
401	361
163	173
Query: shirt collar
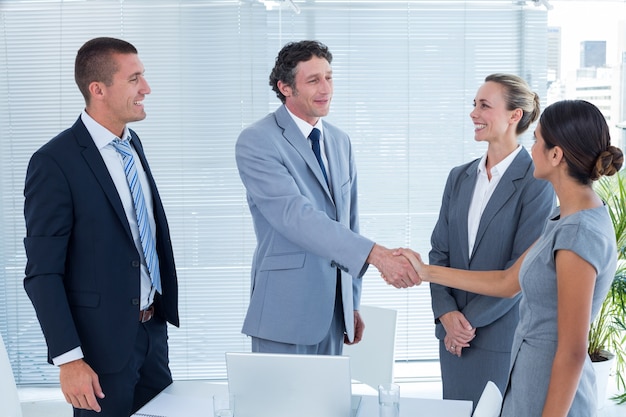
305	127
501	167
100	134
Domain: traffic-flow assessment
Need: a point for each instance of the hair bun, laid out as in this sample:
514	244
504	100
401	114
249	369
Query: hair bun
608	163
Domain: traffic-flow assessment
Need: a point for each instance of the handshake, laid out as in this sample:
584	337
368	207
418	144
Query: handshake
402	268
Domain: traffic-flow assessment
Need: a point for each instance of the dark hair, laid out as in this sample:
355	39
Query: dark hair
518	95
580	130
94	62
288	59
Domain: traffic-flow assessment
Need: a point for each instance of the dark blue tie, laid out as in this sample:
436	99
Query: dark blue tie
315	144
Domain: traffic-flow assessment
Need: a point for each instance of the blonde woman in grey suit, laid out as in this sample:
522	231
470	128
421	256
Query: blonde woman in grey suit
493	209
563	277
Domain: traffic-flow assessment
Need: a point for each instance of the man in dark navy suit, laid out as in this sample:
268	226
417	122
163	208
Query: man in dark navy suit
101	275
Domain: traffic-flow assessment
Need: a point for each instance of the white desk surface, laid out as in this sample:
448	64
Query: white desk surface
195	398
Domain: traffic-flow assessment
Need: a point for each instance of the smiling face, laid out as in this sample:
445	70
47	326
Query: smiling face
121	102
492	121
309	98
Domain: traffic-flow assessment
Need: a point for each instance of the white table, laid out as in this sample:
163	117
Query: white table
195	398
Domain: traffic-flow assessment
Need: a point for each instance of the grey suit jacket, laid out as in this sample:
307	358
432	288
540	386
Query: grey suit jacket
304	233
512	220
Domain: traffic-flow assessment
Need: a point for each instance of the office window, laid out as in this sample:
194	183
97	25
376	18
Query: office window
405	76
587	58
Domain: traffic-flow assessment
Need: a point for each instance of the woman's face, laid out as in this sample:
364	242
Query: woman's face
492	121
539	154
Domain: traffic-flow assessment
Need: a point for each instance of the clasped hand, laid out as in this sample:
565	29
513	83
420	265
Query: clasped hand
415	259
398	267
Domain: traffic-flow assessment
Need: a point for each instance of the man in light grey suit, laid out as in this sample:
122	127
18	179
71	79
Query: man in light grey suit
302	192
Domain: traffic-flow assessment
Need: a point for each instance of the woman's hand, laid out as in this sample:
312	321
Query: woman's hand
416	261
459	331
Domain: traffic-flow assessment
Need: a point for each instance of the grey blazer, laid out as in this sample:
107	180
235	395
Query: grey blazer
512	220
304	232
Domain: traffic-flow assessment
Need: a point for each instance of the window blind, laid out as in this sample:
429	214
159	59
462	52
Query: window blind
405	75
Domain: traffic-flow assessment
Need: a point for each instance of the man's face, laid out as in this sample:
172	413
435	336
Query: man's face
310	97
122	101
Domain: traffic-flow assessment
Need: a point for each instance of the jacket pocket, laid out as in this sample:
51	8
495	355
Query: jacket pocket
283	261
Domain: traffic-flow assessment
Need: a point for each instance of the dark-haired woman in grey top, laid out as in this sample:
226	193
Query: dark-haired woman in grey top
563	277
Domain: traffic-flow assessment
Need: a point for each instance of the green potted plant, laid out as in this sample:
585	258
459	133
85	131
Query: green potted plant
607	334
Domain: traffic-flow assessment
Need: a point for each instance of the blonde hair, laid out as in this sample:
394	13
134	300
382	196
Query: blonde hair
518	95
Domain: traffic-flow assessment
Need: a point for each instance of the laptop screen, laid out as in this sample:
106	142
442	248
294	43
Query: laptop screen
287	385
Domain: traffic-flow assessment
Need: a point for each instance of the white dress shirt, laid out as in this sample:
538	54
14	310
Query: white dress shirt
306	129
483	191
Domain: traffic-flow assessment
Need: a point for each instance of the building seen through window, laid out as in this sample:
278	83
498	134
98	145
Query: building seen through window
586	57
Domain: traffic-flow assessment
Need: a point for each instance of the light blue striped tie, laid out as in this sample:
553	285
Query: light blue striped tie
145	233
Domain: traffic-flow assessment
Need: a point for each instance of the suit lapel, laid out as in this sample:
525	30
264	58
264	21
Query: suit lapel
92	157
294	136
466	191
335	162
503	192
136	144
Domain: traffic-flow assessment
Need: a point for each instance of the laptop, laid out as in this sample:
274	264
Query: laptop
289	385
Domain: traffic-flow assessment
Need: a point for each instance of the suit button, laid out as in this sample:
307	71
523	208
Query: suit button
135	264
135	301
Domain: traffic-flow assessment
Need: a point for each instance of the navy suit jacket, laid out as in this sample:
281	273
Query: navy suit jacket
512	220
83	268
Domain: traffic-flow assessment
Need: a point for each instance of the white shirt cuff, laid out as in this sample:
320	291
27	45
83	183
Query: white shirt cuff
72	355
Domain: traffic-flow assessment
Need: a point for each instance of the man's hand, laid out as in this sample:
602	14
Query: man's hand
80	385
395	270
359	327
459	332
